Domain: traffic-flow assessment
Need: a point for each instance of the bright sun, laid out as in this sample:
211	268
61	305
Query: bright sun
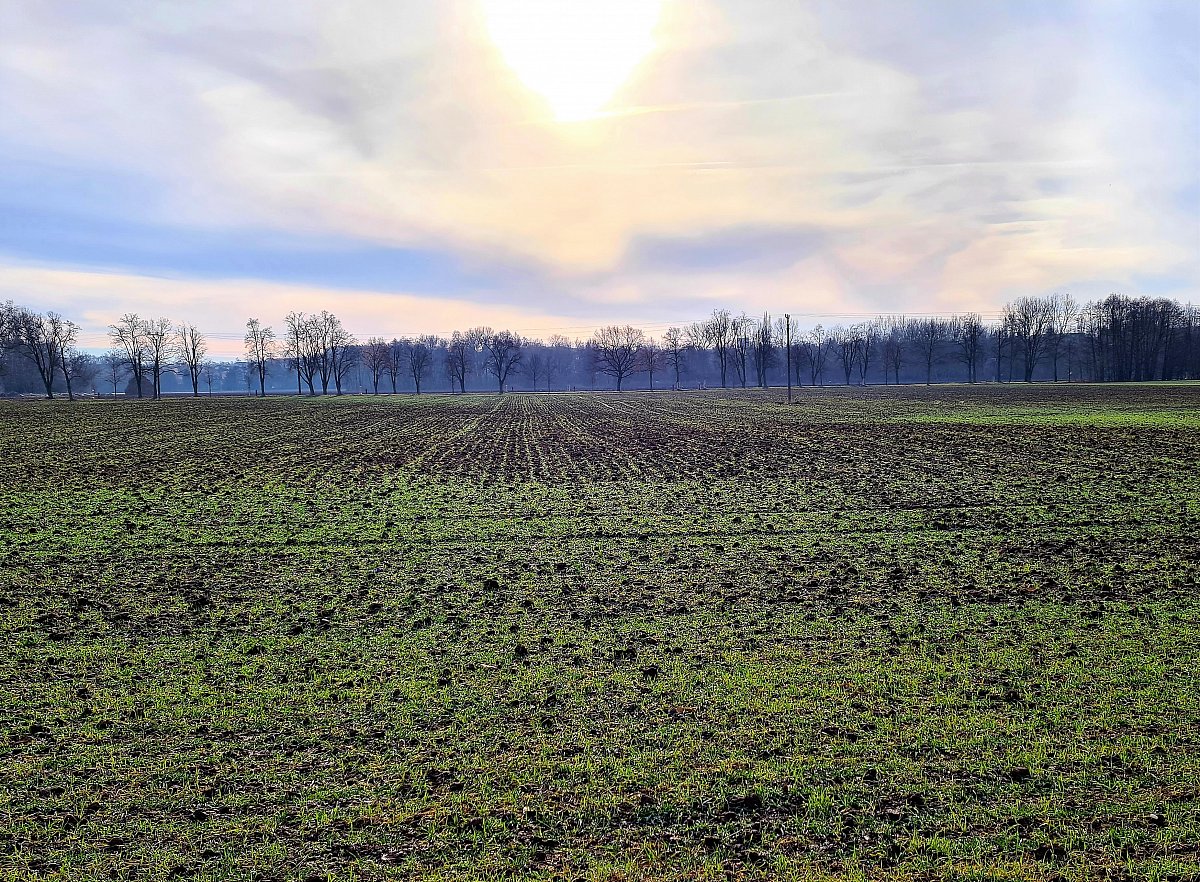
574	53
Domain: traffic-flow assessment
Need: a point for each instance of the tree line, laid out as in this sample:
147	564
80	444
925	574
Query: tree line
1119	338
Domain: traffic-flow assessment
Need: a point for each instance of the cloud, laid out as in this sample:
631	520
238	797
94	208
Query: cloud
888	156
95	299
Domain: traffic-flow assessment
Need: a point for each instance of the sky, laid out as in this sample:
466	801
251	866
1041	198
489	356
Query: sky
550	166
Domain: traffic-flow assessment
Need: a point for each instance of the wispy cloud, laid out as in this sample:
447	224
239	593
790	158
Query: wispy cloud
96	299
865	155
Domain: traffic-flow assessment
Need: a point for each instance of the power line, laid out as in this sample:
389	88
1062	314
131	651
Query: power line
100	338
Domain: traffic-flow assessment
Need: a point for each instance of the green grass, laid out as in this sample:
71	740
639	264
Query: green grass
878	634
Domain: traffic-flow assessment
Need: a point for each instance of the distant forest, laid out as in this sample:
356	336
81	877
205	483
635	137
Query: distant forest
1048	338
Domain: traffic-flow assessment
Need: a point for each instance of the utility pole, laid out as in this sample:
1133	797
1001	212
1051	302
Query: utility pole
787	323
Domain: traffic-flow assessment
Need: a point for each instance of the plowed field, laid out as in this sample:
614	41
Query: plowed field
886	634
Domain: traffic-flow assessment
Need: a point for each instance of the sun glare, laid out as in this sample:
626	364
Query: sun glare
576	54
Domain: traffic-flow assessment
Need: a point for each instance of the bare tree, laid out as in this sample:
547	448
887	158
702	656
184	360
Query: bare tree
1136	338
344	358
763	353
459	350
127	336
27	334
716	333
249	374
674	348
535	368
652	359
866	337
1066	311
968	334
206	371
296	330
816	353
419	355
557	357
65	334
1073	343
894	338
327	351
618	350
114	365
312	357
322	330
72	362
394	365
377	359
6	311
845	347
157	334
79	369
41	339
741	342
1004	343
1030	321
1118	338
260	349
719	334
191	347
926	334
503	352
